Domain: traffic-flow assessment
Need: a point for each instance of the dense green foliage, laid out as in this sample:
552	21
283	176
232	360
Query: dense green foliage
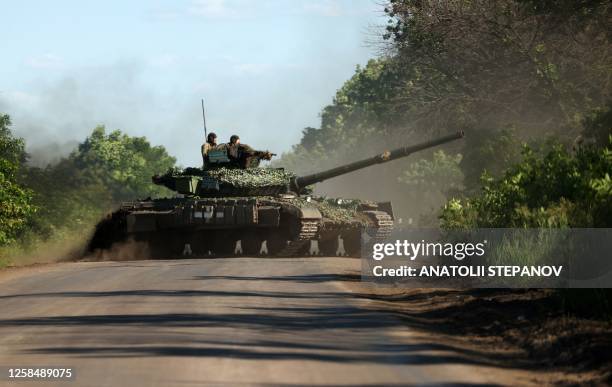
15	200
361	114
68	202
104	170
72	195
558	189
122	163
598	127
440	174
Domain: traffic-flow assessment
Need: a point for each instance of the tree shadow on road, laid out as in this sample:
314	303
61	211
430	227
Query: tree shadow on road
308	278
344	334
179	293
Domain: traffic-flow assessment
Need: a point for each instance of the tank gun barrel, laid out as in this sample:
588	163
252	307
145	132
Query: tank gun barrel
299	183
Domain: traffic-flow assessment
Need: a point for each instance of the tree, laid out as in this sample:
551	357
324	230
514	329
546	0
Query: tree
122	163
15	201
532	64
105	169
598	126
362	113
440	174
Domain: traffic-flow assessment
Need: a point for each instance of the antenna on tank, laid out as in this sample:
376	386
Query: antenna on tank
204	118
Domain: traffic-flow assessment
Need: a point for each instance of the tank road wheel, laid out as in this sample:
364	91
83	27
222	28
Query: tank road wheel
224	243
156	247
251	243
182	244
201	243
167	244
277	242
328	246
352	242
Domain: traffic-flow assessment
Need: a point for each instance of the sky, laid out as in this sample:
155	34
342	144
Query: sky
264	68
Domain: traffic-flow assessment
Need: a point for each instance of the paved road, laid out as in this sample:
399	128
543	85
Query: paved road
226	322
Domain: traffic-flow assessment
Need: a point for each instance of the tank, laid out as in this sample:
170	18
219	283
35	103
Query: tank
232	206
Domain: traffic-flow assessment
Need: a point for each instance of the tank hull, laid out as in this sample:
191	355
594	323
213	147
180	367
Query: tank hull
272	226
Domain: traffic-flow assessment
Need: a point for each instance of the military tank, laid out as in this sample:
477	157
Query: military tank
234	207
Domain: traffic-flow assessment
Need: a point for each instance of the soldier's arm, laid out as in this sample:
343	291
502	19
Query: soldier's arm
249	151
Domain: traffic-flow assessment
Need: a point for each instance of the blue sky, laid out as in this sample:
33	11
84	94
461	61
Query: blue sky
264	68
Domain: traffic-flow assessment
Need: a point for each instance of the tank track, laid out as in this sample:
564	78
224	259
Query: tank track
383	225
380	230
308	231
380	225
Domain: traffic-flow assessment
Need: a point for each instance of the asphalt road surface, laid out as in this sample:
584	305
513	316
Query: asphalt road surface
225	322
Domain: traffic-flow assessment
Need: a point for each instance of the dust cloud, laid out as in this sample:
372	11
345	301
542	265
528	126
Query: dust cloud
54	114
381	182
130	250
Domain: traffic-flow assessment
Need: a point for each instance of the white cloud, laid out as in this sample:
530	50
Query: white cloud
46	61
214	9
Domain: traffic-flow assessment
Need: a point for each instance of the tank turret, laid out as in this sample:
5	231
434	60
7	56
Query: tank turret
221	177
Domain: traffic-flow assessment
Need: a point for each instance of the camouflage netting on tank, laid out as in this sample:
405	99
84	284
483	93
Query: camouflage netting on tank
241	178
255	177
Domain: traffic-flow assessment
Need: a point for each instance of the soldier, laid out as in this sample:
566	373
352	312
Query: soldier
210	144
244	155
234	148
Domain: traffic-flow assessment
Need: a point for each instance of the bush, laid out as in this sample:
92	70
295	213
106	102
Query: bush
559	189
